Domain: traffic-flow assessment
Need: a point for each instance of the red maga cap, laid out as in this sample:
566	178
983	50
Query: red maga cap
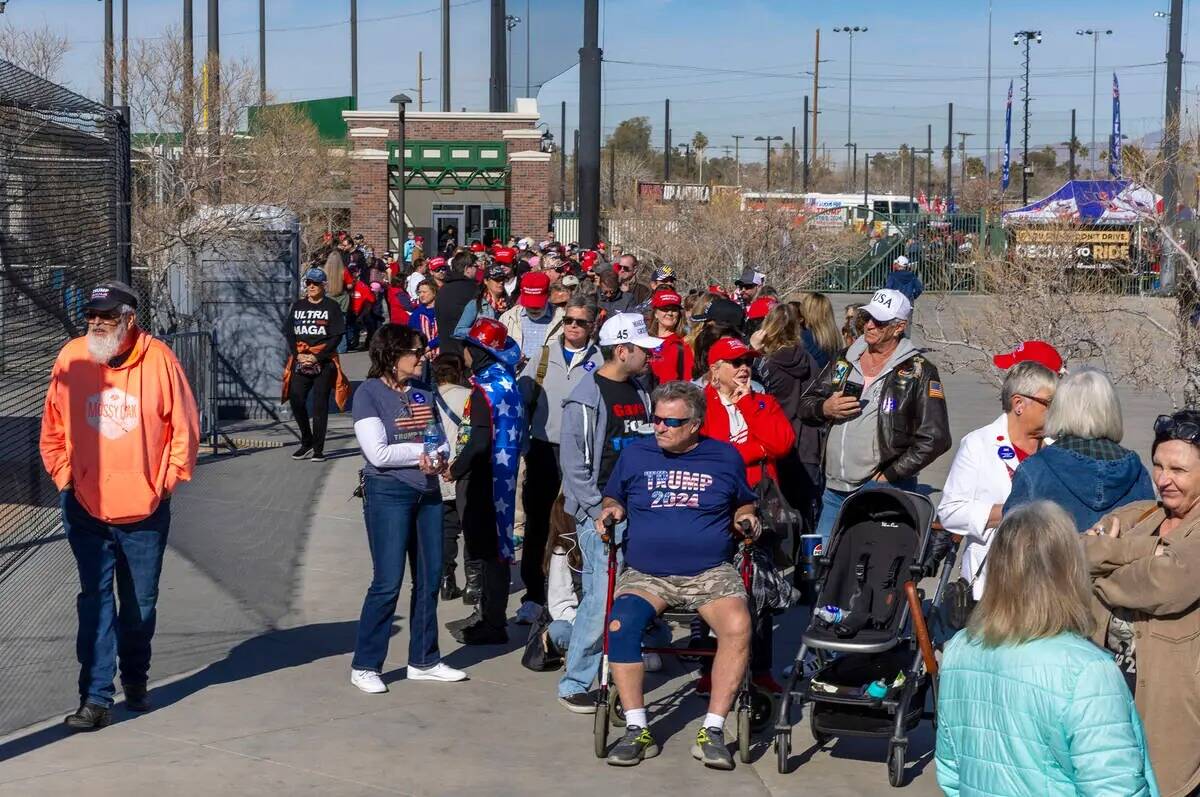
666	299
535	289
504	255
476	246
1038	351
728	349
760	307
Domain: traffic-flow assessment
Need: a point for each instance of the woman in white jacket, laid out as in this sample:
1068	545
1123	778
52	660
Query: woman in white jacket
981	476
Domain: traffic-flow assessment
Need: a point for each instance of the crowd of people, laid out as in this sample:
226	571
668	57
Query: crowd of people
541	401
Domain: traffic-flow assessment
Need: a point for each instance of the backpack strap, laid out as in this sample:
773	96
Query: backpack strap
445	408
544	361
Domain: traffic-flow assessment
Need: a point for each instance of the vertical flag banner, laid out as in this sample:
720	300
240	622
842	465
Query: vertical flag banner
1114	140
1006	167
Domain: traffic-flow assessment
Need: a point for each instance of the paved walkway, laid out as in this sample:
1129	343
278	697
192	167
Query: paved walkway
276	715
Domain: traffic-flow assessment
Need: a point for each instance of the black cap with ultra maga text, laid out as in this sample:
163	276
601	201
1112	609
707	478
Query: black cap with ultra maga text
109	296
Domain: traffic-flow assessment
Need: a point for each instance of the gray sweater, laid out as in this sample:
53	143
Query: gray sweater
557	384
584	424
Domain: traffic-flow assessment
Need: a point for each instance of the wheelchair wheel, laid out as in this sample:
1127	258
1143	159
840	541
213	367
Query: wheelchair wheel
743	733
895	764
783	750
616	712
600	727
762	708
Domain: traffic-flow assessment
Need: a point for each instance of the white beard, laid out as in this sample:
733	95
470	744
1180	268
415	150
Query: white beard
104	346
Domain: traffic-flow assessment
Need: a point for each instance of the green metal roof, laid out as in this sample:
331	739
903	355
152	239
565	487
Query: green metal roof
325	114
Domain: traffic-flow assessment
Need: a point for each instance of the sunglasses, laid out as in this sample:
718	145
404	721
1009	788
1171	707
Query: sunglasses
576	322
672	423
1168	427
313	282
106	318
627	269
1045	402
740	361
863	318
418	352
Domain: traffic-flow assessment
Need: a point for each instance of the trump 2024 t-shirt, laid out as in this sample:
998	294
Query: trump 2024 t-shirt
680	506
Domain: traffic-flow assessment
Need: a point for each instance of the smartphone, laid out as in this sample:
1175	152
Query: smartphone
853	389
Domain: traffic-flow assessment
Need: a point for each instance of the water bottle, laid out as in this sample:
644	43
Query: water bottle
877	689
433	441
832	615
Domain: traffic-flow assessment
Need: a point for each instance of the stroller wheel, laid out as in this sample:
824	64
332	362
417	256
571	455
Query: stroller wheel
820	737
600	726
783	750
743	733
895	765
762	708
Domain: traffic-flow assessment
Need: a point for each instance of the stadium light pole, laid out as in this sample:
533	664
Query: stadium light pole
768	139
850	31
1095	34
1026	36
401	101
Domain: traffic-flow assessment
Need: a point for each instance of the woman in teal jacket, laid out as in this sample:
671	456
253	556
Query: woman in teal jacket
1027	705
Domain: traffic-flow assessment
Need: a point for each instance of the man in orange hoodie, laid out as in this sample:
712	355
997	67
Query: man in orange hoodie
120	431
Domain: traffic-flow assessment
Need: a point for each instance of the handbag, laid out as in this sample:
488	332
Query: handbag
540	654
769	587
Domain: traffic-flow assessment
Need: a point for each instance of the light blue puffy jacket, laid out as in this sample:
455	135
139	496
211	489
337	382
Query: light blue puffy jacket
1040	719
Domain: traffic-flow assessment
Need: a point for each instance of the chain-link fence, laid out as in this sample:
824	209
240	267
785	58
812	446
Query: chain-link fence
64	226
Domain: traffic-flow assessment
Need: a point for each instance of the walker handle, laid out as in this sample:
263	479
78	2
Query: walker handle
609	525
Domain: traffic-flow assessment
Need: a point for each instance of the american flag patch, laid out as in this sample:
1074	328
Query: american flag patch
412	417
935	390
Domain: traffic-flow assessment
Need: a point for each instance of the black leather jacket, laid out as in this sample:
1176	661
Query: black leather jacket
915	432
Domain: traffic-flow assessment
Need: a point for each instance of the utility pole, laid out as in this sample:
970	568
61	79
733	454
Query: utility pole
667	142
1027	36
188	112
1095	34
912	175
576	172
866	178
589	124
792	163
1170	146
108	53
420	80
928	163
354	60
816	88
1071	149
949	154
612	177
125	52
850	94
854	161
262	53
562	159
987	169
498	100
962	158
804	181
528	46
213	100
737	157
446	65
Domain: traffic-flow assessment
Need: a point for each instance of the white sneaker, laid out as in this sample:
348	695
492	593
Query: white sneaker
652	662
438	672
368	681
528	612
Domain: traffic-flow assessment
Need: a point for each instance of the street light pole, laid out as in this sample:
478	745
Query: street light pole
1027	36
768	139
850	31
401	101
1095	34
737	157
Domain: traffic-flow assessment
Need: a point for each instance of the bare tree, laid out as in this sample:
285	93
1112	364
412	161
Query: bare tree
278	162
36	50
629	168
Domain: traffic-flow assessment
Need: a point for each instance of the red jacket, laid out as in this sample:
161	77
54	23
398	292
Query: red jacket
769	433
399	305
361	295
664	363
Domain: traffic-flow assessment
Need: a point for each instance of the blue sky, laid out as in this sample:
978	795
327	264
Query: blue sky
728	67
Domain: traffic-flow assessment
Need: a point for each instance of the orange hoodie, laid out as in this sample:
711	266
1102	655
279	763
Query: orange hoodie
125	437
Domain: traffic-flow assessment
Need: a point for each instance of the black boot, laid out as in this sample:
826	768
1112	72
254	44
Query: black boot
474	582
450	589
137	698
88	717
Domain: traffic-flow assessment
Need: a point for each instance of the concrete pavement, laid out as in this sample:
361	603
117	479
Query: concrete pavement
277	715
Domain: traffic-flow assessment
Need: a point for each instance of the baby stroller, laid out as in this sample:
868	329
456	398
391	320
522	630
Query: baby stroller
875	661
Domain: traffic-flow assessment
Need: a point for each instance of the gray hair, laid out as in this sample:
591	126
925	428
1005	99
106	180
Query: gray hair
681	391
581	301
1026	379
1085	405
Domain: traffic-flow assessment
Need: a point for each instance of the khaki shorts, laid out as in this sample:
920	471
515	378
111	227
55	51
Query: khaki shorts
686	593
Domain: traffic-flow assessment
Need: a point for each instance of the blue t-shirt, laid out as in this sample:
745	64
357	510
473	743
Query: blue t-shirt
680	506
404	416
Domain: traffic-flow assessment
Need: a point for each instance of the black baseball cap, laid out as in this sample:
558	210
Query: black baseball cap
109	296
725	311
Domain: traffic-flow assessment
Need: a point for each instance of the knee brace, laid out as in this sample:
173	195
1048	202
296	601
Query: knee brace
626	623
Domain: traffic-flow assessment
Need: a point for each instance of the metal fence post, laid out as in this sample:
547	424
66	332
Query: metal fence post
213	425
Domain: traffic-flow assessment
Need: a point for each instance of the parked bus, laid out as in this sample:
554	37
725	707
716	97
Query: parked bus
835	210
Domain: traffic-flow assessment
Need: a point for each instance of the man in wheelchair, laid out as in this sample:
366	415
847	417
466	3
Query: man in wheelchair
685	497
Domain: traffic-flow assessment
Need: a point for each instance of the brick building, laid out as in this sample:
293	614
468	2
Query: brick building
484	174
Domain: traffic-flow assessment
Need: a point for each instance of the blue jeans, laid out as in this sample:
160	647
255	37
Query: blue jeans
587	636
399	516
130	555
832	500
